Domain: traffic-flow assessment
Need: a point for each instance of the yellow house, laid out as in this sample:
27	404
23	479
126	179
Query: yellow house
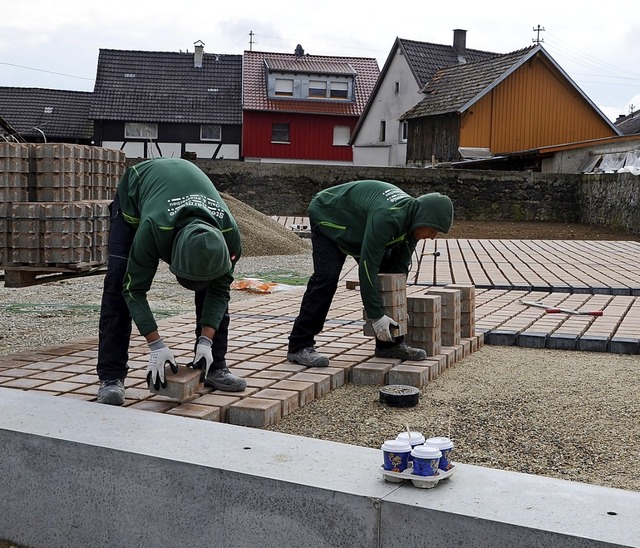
511	103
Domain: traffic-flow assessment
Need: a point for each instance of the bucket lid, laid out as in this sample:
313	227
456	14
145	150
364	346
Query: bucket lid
440	442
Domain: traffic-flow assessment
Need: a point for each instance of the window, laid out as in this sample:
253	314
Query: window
404	131
396	87
341	135
383	131
137	130
317	89
284	88
339	90
280	133
210	133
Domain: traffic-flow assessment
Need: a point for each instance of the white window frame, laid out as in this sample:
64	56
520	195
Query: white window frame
404	131
283	87
214	129
140	130
339	90
317	89
341	136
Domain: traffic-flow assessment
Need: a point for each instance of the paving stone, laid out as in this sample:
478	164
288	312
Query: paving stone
410	375
562	341
501	337
288	399
371	373
181	386
322	382
624	346
306	390
593	343
255	412
195	411
530	339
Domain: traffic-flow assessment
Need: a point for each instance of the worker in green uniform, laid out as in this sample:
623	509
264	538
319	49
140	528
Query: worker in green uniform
379	225
167	209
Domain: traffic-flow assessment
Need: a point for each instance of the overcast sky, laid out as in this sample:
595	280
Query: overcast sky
55	43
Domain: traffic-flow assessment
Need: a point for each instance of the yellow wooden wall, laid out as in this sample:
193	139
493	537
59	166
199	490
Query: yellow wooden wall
533	107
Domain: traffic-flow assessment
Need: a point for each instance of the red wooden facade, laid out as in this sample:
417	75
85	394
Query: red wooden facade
311	136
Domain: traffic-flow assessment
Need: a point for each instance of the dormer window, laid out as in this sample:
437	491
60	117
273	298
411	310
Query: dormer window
317	89
284	87
339	90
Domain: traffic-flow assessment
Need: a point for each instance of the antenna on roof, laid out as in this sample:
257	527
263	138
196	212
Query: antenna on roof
537	40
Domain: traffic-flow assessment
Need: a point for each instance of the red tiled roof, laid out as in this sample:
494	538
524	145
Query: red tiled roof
254	85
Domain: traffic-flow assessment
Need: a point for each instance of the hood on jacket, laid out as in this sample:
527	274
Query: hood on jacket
434	210
199	253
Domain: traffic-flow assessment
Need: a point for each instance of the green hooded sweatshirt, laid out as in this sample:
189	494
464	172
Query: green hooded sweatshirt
373	221
181	219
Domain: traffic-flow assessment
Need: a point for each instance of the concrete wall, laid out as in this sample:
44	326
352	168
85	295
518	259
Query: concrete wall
78	474
286	189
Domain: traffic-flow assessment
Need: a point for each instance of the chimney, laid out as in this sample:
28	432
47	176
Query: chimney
460	45
199	53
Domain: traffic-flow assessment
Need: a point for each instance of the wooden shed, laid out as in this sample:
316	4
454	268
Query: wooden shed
511	103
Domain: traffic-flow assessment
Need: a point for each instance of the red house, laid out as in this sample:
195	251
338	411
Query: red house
303	108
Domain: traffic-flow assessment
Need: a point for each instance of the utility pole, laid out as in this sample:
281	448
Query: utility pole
538	40
250	40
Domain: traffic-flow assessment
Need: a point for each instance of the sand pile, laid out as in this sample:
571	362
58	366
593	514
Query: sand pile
261	235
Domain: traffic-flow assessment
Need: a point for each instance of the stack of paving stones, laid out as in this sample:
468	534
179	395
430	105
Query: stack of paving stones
433	321
54	214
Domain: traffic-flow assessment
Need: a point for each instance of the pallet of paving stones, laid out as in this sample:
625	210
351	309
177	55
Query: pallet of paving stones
421	482
16	276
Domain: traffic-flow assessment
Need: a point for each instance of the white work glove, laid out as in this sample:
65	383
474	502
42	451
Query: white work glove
382	327
160	356
203	359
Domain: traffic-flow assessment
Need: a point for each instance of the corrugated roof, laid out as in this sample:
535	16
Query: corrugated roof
60	114
365	71
151	86
452	88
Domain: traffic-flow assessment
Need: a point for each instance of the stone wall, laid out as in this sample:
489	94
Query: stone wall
286	189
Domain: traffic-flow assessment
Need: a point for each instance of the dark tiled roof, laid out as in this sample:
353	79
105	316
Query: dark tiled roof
255	86
59	114
152	86
425	59
629	124
452	88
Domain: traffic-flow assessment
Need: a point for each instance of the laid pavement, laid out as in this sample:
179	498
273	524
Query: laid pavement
583	276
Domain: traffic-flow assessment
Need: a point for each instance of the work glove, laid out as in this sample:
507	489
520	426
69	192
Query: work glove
203	359
382	327
160	356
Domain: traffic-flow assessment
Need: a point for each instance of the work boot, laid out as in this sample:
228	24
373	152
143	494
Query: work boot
223	379
402	352
111	392
309	357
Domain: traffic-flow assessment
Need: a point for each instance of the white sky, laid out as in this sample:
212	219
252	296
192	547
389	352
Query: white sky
55	43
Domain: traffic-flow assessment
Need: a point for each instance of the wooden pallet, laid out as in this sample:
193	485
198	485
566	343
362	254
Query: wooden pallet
27	275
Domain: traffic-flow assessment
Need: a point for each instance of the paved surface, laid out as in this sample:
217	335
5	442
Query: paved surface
575	275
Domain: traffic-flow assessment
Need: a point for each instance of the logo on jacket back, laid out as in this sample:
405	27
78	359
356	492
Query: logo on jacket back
394	194
197	200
